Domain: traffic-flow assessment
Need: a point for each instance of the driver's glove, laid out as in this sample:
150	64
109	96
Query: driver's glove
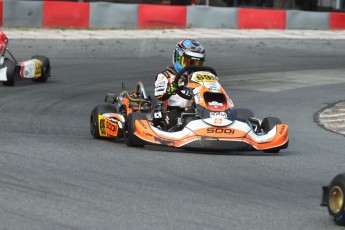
171	89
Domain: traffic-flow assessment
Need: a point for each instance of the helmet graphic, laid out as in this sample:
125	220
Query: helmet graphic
188	52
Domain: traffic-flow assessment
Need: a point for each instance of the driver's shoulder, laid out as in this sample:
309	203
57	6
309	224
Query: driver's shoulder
168	72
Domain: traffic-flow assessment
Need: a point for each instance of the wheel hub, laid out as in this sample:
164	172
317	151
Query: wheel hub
336	199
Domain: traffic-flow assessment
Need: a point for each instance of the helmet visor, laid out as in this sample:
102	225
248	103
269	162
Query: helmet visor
186	60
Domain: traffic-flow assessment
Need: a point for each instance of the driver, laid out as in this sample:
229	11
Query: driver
187	52
3	43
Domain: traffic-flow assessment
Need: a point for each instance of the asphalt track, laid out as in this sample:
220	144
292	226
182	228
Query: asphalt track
54	175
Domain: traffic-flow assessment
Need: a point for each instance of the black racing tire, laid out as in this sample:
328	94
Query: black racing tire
336	199
99	109
45	71
244	113
131	139
267	125
11	72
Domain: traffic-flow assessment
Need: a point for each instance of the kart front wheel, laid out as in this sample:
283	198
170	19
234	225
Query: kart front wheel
11	70
267	125
45	71
94	124
336	199
131	139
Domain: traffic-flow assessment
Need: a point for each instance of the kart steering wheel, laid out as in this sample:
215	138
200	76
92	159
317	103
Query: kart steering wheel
190	69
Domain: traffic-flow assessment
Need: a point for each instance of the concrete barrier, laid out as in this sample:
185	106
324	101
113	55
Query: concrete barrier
108	15
22	13
1	13
303	20
50	13
211	17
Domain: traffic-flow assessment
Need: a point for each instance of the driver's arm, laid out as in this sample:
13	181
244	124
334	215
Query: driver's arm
161	86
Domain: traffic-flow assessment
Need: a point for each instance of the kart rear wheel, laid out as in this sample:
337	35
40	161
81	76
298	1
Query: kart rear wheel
99	109
131	139
11	70
336	199
45	71
267	125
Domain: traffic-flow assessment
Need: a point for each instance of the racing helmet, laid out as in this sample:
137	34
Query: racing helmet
188	52
3	42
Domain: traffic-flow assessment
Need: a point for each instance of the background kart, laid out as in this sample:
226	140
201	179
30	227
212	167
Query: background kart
333	197
37	68
210	121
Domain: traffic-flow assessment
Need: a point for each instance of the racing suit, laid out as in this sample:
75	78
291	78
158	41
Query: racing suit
173	103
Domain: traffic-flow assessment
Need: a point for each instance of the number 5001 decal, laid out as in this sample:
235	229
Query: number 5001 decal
214	130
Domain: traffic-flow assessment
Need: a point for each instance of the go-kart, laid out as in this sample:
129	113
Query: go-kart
37	68
211	121
333	197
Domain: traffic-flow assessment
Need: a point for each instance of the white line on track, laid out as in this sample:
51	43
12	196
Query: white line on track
333	114
334	118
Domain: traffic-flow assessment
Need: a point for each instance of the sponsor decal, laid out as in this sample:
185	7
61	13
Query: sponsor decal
3	74
160	77
38	68
197	99
157	115
26	74
31	68
215	103
111	127
142	124
214	89
282	130
218	114
102	127
218	121
196	90
226	131
203	77
213	86
161	84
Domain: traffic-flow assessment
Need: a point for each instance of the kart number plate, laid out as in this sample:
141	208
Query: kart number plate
31	68
203	77
3	74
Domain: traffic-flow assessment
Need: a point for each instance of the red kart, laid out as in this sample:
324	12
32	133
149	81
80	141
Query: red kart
37	68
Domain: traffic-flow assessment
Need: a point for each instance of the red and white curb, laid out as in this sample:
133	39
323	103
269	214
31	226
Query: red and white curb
333	118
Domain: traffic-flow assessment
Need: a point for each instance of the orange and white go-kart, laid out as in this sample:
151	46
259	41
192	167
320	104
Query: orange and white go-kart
211	122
